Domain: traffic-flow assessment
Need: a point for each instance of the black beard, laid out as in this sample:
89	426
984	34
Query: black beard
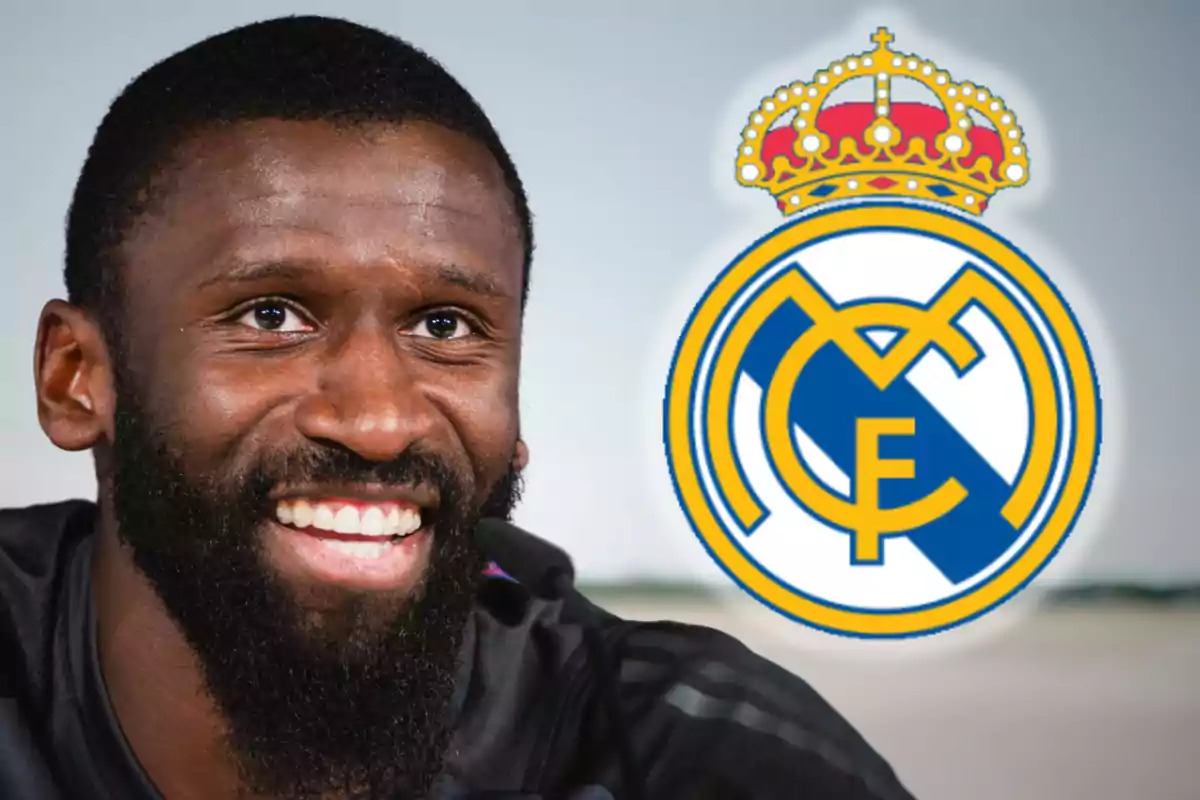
355	700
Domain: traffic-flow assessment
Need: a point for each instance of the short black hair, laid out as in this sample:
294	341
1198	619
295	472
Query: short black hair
292	68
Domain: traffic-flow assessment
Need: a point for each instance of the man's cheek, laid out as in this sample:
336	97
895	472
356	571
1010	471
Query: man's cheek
215	413
491	445
480	403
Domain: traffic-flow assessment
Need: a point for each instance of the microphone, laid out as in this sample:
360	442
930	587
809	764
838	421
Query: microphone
546	572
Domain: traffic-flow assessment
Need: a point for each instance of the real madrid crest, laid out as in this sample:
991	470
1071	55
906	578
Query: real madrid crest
882	419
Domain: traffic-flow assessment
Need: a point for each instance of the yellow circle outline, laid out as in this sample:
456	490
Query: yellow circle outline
1079	374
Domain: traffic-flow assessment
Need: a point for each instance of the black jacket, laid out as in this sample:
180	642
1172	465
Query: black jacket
703	716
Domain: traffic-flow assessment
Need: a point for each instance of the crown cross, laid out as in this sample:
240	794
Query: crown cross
960	151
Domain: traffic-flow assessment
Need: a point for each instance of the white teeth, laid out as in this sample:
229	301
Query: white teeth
347	521
359	549
373	522
302	513
324	519
387	519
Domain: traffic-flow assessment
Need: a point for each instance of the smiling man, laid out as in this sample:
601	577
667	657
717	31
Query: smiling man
298	257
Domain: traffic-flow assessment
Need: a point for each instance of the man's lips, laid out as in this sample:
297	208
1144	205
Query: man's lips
350	540
361	536
359	563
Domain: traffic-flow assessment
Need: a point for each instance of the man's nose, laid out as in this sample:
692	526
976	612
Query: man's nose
368	399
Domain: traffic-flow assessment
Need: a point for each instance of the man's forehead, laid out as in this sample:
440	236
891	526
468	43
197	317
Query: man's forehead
281	161
285	190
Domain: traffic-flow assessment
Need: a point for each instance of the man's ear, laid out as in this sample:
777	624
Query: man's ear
73	377
520	456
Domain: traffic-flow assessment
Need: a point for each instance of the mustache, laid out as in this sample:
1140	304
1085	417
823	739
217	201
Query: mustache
415	466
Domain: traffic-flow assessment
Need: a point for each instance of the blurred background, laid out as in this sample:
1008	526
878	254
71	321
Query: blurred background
622	118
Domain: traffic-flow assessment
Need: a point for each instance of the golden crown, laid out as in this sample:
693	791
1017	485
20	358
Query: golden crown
960	154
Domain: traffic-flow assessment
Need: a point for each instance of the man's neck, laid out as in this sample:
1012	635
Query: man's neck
154	682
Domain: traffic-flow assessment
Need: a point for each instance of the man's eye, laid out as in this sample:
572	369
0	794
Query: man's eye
276	317
442	325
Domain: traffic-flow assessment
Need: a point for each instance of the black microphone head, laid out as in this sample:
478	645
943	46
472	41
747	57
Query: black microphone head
539	566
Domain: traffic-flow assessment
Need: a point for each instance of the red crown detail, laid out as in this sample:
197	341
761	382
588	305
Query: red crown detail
806	152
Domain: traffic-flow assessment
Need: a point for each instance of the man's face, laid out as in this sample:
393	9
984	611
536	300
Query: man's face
317	397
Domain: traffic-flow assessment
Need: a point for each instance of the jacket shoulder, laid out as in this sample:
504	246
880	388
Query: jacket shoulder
34	546
712	718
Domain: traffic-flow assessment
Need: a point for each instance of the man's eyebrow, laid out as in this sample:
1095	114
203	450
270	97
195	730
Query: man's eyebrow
258	271
254	271
472	281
